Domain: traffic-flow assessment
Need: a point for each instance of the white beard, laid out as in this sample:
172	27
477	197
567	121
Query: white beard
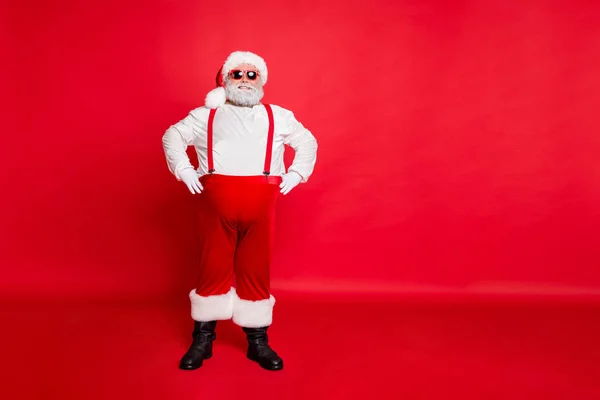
243	97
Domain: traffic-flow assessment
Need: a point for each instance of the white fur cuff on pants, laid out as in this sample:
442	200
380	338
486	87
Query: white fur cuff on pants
211	308
253	314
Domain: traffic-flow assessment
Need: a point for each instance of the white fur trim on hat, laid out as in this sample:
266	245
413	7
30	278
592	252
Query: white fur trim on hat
211	308
215	98
238	58
253	314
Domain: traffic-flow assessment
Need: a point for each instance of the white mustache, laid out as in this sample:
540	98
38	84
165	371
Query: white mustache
248	86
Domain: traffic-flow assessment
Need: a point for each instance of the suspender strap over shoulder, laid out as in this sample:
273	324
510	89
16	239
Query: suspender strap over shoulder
267	170
209	137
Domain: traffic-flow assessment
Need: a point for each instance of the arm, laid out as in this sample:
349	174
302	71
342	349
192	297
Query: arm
305	147
175	142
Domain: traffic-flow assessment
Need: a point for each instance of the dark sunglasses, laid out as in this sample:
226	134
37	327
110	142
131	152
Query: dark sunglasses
237	74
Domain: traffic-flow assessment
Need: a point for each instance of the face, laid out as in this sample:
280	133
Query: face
246	83
244	91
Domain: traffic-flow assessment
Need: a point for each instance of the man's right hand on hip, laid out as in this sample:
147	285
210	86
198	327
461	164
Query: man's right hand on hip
190	177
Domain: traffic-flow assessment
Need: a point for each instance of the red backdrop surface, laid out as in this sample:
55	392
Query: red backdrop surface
459	147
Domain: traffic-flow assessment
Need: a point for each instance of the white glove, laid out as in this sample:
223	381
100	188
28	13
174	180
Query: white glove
289	181
189	176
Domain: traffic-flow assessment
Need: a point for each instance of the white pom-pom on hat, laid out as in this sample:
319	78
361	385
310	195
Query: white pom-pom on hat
217	97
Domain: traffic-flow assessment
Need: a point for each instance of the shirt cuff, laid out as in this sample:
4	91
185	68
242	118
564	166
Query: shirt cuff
303	179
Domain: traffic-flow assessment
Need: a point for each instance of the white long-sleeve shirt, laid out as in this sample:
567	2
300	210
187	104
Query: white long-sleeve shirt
240	142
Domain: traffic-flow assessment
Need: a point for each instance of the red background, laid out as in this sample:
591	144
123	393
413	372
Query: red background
459	148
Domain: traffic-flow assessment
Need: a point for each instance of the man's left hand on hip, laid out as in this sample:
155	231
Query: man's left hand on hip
289	181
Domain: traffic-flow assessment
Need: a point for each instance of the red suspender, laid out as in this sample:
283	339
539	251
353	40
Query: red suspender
209	139
267	170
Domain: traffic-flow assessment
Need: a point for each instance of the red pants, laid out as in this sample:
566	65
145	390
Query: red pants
237	219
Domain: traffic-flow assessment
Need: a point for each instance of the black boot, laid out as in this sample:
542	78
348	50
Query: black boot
201	348
259	350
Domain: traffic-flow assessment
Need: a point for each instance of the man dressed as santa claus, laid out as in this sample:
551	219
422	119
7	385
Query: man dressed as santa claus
240	145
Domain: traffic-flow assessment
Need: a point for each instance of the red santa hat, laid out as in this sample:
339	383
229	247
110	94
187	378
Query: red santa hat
217	97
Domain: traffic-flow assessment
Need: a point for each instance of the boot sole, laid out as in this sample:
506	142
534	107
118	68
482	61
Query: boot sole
267	367
193	367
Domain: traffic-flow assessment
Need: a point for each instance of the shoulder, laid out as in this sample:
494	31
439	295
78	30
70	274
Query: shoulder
200	112
281	112
279	109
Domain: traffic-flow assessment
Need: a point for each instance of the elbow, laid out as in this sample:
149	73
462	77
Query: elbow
169	138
